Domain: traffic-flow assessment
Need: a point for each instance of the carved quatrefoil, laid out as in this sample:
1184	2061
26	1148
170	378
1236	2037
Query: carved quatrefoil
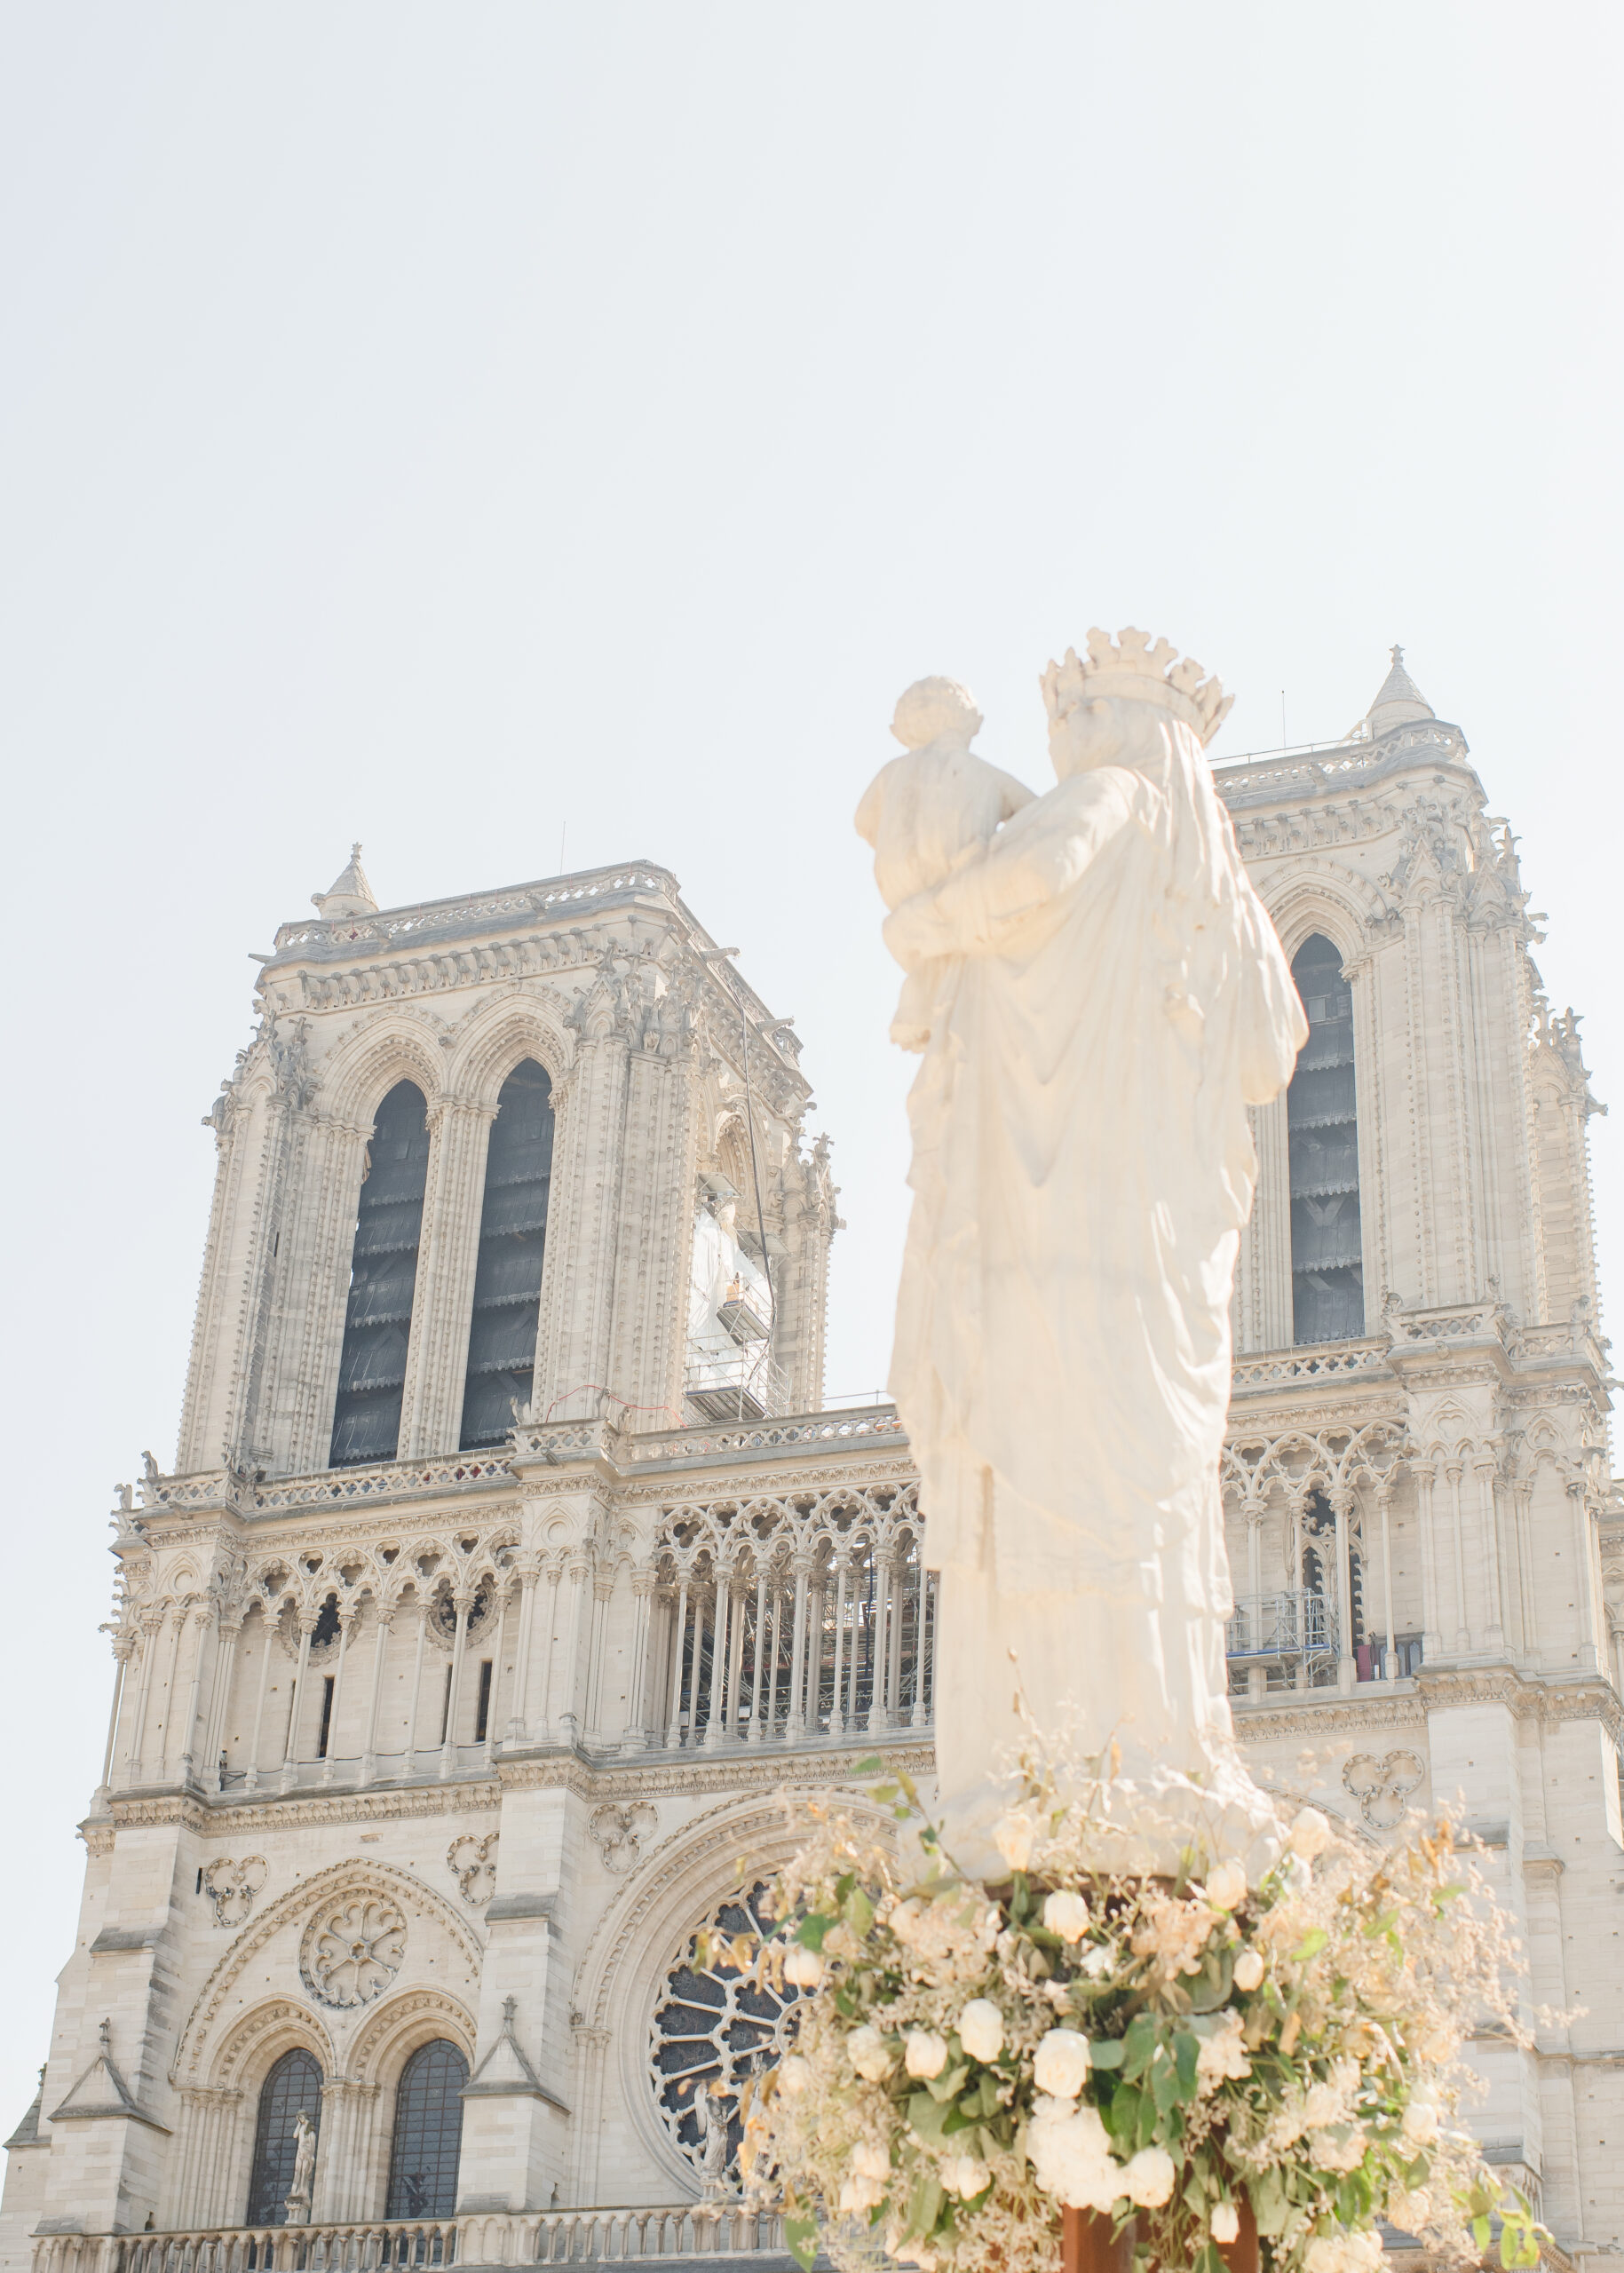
351	1954
1382	1786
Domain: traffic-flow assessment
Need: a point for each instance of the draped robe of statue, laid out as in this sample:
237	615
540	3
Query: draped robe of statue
1113	998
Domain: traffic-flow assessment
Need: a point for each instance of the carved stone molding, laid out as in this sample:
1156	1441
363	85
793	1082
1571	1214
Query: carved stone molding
316	1897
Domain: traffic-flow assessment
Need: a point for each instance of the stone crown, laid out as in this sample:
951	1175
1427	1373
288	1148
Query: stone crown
1135	671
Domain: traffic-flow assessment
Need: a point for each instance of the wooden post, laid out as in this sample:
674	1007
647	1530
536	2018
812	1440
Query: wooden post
1086	2244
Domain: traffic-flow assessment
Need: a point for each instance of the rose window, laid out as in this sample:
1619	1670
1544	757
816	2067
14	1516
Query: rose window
353	1954
716	2028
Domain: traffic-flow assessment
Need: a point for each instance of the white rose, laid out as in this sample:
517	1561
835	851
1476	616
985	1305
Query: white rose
794	2075
1435	2045
802	1967
857	2194
1061	2067
925	2054
1225	2222
1324	2254
981	2029
1226	1886
1361	2250
1148	2179
1013	1836
1070	2154
1328	2150
903	1920
964	2176
1310	1834
870	2054
1067	1914
870	2161
1249	1969
1419	2125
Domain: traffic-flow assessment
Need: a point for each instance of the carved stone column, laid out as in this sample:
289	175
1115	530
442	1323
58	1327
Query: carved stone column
1453	1469
442	1309
225	1667
290	1755
464	1603
1425	1473
529	1571
347	1620
123	1649
384	1625
1347	1664
341	2159
1485	1464
634	1738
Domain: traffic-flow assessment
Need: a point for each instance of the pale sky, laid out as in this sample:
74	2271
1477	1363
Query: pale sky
453	426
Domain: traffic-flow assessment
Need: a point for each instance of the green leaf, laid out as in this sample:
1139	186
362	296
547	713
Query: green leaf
1120	2112
1269	2205
1138	2046
950	2083
1480	2233
1311	1945
1212	1985
1106	2052
928	2118
860	1912
1188	2052
800	2233
873	1766
813	1928
924	2203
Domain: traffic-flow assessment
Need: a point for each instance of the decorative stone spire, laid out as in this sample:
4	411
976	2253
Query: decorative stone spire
1400	702
352	894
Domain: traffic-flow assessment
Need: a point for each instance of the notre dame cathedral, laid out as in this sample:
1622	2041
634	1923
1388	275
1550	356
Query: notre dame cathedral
510	1571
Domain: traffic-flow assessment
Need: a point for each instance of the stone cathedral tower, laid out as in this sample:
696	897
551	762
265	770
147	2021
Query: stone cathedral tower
510	1569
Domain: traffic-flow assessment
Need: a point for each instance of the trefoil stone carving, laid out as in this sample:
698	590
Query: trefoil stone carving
619	1833
232	1886
473	1864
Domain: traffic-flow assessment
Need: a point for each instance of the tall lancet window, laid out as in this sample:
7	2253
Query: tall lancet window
513	1235
1327	1278
377	1323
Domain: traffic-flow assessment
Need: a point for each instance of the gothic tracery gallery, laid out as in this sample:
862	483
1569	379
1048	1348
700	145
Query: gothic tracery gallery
510	1567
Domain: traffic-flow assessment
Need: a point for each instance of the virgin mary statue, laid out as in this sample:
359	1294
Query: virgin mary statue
1107	997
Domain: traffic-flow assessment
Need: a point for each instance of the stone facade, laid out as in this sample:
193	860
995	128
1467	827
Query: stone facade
461	1746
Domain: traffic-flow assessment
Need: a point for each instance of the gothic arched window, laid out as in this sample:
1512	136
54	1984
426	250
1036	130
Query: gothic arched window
512	1236
377	1322
293	2085
428	2134
1327	1279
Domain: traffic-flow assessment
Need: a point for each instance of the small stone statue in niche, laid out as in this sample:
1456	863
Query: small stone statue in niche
927	814
297	2209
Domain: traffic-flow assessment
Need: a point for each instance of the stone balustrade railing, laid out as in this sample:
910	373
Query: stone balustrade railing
555	1441
605	2236
1315	1361
345	934
1313	766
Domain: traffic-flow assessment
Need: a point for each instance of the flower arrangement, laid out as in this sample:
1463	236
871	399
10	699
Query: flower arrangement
971	2058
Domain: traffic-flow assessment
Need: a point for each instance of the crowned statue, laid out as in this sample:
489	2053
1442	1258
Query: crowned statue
1098	996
